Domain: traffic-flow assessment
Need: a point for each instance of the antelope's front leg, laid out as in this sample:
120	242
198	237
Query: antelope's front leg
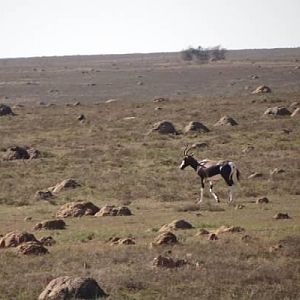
201	192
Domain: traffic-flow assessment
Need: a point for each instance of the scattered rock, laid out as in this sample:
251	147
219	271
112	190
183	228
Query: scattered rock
47	241
111	210
164	127
18	152
140	83
231	229
277	111
276	171
28	219
111	100
81	117
262	200
65	184
165	238
212	237
168	262
5	110
77	209
295	112
50	225
246	238
226	121
196	127
255	175
32	248
43	195
275	248
199	146
158	108
294	105
281	216
262	89
118	241
248	149
239	206
254	76
177	224
15	238
67	287
77	103
160	99
202	231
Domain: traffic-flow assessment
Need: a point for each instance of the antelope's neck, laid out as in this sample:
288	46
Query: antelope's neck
195	164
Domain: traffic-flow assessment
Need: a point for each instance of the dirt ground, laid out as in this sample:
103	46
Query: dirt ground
92	79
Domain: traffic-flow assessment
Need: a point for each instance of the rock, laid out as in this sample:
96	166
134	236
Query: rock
111	100
281	216
231	229
165	238
168	262
276	171
254	76
177	224
196	127
50	225
160	99
277	111
275	248
262	89
203	231
43	195
77	103
164	127
255	175
47	241
294	105
17	152
111	210
77	209
226	121
295	112
67	288
15	238
119	241
212	237
158	108
5	110
246	238
32	248
27	219
247	149
199	146
81	117
239	206
65	184
262	200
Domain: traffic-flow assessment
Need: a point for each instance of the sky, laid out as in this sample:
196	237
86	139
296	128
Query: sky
70	27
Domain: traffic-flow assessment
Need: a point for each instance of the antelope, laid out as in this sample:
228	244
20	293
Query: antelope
210	170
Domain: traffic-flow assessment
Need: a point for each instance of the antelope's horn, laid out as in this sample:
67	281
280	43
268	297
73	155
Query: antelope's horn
186	150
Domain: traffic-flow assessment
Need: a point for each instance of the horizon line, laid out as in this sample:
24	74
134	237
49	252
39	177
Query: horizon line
136	53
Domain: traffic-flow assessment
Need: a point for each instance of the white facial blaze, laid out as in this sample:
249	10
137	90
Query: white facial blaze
182	164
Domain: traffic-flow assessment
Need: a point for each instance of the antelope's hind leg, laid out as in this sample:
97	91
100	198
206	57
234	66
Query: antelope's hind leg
216	197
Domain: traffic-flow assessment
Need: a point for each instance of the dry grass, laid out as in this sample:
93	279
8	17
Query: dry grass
117	162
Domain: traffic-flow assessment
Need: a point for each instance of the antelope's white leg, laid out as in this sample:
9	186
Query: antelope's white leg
201	195
212	192
230	194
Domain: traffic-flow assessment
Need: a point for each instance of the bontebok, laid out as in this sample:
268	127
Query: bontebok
210	170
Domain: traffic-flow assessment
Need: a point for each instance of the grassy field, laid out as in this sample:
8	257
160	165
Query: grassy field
117	161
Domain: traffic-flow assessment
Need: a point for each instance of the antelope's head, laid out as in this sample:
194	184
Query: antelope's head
188	159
